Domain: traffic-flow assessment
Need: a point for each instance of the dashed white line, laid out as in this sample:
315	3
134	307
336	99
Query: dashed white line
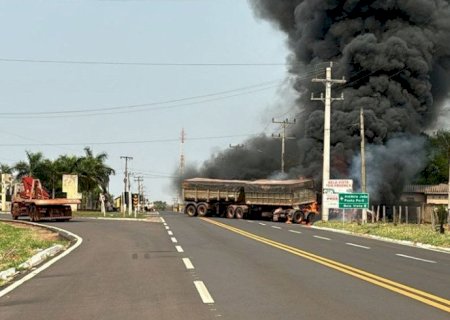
250	221
163	221
357	245
294	231
263	224
174	240
179	248
323	238
170	233
167	228
414	258
188	263
203	292
276	227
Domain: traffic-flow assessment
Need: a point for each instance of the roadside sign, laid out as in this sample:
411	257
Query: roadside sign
353	200
333	188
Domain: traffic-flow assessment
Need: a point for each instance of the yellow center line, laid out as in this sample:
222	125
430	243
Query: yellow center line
424	297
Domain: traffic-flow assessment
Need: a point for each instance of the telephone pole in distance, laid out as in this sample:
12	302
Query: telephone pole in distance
283	138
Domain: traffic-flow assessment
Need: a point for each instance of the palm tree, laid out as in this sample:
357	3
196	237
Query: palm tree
93	173
4	168
35	166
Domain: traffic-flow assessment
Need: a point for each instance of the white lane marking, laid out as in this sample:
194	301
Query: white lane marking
203	292
162	219
165	224
167	228
263	224
294	231
170	233
179	248
174	240
250	221
188	263
419	259
276	227
323	238
17	283
356	245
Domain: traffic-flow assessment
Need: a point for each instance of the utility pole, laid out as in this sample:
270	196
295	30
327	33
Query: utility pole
182	160
363	161
126	186
283	138
328	82
139	180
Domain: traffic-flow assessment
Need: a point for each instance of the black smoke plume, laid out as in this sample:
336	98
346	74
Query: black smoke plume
395	56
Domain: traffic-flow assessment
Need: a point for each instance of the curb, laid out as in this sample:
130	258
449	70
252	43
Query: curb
41	256
401	242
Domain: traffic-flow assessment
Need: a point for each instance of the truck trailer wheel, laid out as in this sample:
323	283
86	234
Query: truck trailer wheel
298	216
230	212
191	210
202	209
239	213
311	217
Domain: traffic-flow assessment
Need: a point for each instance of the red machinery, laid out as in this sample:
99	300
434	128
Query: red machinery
30	199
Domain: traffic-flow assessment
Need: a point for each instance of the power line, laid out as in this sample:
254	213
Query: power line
92	111
124	142
148	64
153	105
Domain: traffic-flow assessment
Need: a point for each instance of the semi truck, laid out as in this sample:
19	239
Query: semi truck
279	200
30	199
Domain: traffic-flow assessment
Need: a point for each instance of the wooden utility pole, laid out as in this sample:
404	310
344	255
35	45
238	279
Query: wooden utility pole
283	138
328	82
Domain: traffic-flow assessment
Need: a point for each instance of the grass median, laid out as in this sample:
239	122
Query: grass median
410	232
19	242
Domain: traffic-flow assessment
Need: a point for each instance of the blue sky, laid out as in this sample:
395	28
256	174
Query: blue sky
153	31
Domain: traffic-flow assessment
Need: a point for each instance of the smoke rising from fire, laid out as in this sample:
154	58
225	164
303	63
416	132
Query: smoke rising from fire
395	56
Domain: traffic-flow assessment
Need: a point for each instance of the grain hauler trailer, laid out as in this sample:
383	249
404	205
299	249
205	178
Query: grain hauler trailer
30	199
288	200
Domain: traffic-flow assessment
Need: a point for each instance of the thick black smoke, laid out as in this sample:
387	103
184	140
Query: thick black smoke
395	56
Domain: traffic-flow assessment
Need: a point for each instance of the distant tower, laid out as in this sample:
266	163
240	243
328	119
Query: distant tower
182	153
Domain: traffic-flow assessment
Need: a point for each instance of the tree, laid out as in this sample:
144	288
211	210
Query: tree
93	173
438	150
4	168
36	166
160	205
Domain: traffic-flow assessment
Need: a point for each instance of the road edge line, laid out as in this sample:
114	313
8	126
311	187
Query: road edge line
32	274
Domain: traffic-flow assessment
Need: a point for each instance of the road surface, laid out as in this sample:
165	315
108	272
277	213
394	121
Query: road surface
191	268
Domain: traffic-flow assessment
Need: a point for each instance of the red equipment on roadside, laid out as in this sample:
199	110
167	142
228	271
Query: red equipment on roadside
30	199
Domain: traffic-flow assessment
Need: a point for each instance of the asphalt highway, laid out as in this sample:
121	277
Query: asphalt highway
192	268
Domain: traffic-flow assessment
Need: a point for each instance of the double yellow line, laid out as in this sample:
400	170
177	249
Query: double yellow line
424	297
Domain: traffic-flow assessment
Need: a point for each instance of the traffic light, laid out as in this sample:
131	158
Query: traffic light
135	199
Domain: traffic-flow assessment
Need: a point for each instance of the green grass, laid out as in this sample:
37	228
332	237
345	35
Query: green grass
410	232
98	214
19	243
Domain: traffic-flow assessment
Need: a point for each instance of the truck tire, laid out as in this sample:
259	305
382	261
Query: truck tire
239	213
202	209
298	216
311	217
230	212
191	210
